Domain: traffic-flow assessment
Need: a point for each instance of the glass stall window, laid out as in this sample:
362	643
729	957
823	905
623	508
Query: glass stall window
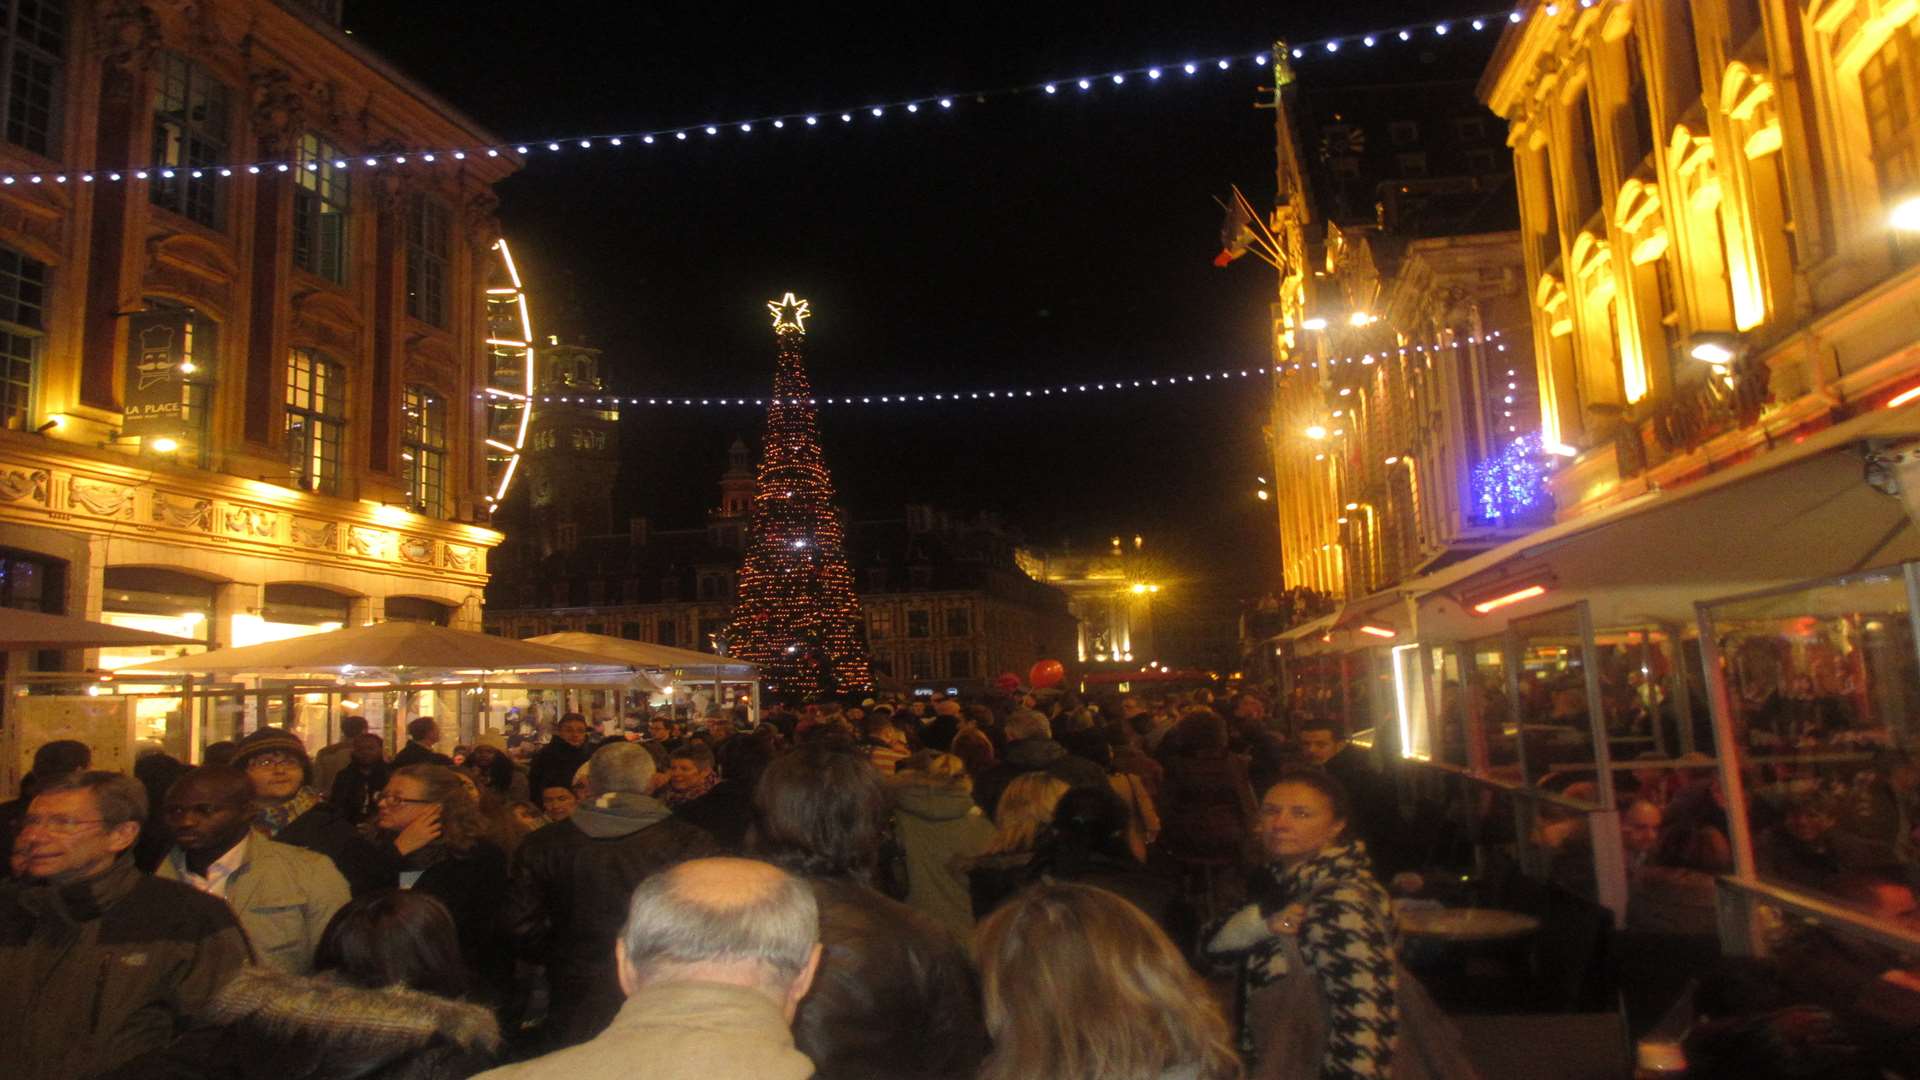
1555	726
1821	686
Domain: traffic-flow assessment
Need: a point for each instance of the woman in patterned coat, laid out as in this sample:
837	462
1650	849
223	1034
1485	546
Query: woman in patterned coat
1320	992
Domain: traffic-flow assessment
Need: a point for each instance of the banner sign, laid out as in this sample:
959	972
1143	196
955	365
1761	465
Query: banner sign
156	385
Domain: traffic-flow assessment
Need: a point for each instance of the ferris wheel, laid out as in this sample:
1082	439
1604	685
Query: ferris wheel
508	392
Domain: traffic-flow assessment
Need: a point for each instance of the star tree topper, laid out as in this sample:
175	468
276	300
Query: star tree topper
789	313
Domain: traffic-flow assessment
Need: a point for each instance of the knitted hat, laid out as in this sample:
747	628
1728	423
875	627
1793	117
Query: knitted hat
271	740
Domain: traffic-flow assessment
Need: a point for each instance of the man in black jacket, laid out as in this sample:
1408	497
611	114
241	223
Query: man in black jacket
572	881
557	761
1031	748
422	736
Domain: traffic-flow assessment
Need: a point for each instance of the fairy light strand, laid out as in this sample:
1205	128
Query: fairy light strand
747	127
1492	338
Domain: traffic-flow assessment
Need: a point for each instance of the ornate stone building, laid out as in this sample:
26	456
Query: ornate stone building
243	371
1710	200
1399	325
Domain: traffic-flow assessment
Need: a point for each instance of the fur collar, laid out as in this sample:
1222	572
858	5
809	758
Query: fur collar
387	1021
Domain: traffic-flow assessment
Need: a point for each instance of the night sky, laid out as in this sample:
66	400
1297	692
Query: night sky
1019	241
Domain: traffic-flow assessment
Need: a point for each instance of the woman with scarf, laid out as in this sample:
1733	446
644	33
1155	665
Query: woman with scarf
430	837
1320	992
288	808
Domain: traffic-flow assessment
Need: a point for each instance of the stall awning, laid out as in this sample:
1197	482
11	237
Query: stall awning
647	655
415	650
1798	512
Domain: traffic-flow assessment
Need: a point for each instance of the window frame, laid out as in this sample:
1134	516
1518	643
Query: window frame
185	146
423	449
429	284
22	330
322	194
13	52
320	407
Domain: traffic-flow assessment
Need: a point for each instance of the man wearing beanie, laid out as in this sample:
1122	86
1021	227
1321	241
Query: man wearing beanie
289	810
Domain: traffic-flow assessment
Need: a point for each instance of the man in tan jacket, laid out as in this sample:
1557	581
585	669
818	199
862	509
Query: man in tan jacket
284	896
714	959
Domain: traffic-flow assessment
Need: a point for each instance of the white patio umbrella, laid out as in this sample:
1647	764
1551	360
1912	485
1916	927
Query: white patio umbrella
413	649
642	654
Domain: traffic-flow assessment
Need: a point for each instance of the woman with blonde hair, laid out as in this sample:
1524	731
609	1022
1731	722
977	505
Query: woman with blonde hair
939	831
1025	808
430	836
1079	985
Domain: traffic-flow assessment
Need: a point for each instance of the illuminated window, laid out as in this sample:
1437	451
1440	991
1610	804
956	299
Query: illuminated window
1887	96
320	204
429	260
316	420
33	39
190	135
23	296
879	624
200	349
423	451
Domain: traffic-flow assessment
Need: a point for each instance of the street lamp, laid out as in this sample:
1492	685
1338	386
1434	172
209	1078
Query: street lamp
1906	215
1316	432
1315	323
1718	349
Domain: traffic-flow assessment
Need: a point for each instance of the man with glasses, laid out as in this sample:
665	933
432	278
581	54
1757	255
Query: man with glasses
100	963
287	808
283	895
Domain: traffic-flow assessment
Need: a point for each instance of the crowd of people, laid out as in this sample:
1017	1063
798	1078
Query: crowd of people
1038	886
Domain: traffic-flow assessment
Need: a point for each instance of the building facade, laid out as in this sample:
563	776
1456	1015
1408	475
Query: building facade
239	403
1403	364
1710	197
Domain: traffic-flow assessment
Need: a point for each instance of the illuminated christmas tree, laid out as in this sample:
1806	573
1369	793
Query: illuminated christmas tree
796	615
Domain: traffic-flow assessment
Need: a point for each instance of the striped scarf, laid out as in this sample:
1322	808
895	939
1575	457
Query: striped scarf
272	819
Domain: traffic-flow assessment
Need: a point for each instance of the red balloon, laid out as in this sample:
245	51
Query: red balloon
1046	673
1007	682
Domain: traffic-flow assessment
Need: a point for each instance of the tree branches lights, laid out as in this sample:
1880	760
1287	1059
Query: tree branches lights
1513	482
1161	382
555	146
796	613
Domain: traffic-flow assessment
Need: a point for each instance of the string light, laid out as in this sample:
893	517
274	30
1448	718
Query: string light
744	125
1513	482
796	313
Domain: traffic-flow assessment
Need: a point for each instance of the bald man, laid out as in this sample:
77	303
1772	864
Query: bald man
283	895
714	959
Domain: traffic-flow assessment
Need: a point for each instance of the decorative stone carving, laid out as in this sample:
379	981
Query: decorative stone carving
23	485
252	523
461	557
125	35
35	228
279	110
102	500
183	513
370	543
480	217
322	535
169	278
415	550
